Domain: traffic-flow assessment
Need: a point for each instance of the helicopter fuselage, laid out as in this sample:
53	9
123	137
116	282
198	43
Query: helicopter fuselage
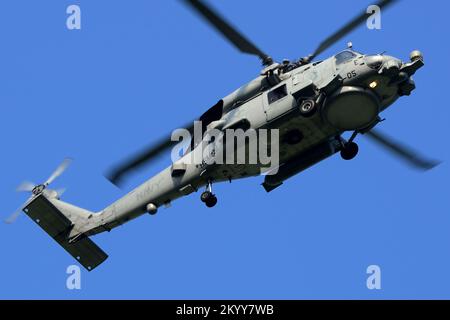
348	91
305	105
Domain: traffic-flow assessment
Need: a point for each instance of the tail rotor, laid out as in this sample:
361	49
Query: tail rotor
37	189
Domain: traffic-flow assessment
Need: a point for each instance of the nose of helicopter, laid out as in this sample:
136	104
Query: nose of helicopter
391	66
401	72
357	104
398	72
384	64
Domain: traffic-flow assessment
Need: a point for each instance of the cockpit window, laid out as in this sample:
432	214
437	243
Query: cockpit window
344	56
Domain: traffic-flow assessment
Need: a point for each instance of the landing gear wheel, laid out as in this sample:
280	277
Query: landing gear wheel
349	151
211	201
308	108
208	197
205	196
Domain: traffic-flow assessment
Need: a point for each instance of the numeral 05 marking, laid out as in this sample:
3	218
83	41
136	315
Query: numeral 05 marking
351	74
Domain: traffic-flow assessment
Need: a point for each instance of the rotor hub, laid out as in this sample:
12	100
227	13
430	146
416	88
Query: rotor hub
38	189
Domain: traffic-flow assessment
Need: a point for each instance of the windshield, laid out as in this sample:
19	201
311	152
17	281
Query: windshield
344	56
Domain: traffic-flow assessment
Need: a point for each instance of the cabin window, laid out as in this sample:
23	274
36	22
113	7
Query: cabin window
344	57
277	94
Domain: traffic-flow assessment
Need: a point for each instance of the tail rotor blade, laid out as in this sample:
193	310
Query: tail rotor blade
60	192
14	216
17	213
59	170
25	186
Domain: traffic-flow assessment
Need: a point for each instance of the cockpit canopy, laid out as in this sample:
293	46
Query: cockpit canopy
345	56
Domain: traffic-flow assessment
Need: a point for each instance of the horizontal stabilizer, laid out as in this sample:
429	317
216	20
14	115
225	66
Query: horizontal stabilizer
58	226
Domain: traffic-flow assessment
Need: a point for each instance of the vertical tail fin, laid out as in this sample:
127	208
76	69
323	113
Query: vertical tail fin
79	217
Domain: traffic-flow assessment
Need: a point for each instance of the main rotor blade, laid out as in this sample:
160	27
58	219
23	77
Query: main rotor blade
346	29
401	151
228	31
25	186
59	170
117	174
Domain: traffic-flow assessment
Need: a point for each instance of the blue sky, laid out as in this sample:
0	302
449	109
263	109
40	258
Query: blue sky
136	70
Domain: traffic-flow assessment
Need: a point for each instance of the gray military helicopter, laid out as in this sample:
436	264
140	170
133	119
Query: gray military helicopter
311	104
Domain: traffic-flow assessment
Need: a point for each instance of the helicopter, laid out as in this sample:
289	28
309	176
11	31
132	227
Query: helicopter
309	103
